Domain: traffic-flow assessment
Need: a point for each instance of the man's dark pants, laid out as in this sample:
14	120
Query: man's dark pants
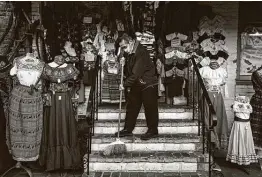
149	98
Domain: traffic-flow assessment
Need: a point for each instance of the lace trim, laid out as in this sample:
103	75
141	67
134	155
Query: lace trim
26	65
58	75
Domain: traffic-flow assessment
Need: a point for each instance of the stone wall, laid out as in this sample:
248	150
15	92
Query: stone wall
245	89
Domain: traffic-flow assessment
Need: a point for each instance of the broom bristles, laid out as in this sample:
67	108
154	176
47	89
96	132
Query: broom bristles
115	148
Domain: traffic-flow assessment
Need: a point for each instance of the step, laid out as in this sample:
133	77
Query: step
148	174
111	112
165	127
141	115
149	161
167	142
161	108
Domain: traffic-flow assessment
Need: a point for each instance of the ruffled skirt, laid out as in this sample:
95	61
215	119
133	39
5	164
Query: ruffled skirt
60	147
241	148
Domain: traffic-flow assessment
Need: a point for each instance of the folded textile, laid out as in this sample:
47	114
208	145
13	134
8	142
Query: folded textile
171	36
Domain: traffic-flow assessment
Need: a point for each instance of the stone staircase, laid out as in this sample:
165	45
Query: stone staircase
176	152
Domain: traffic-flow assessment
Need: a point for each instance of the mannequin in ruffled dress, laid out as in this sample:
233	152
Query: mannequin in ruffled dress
241	149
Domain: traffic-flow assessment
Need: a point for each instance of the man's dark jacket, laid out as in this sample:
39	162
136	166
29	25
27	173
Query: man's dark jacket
139	68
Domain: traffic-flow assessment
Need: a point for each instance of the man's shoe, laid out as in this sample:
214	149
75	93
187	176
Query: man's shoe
124	133
149	135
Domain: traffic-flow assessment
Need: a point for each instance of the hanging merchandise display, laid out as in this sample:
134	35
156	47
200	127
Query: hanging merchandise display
60	148
64	32
212	39
111	75
25	109
147	39
214	54
129	19
176	68
111	79
160	68
88	58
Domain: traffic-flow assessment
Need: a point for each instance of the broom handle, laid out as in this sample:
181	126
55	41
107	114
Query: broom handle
121	93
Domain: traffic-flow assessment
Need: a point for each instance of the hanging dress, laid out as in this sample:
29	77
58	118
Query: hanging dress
111	81
60	148
214	79
24	124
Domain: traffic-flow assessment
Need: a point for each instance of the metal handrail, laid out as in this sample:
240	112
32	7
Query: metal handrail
207	123
204	110
205	94
92	111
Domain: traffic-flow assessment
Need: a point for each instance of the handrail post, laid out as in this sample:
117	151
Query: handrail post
203	122
198	108
193	94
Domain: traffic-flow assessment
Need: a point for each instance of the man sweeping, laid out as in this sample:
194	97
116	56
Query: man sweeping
141	81
141	84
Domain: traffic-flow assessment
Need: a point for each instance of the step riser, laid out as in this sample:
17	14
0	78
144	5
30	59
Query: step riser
166	115
133	147
142	130
145	166
142	123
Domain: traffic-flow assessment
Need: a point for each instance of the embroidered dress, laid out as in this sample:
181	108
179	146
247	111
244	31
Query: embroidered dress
60	149
214	79
111	82
241	148
24	124
256	103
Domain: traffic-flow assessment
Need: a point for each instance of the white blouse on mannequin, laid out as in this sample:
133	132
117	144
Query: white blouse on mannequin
28	69
242	107
213	78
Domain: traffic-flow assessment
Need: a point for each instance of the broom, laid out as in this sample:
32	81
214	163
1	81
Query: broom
117	147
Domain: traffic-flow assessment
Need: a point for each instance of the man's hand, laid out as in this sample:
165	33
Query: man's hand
121	87
122	61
